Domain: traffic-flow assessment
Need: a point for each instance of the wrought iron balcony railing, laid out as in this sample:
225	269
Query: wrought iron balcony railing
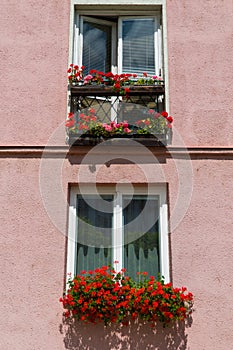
136	105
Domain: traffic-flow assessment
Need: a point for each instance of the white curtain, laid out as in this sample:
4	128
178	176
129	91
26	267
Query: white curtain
94	220
141	251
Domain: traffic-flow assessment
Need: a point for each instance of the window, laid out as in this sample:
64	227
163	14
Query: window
119	43
115	224
121	39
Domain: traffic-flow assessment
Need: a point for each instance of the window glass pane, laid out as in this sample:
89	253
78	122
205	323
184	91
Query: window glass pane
94	220
138	46
96	47
141	235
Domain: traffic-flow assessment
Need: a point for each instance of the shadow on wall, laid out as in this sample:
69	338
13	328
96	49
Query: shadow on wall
80	336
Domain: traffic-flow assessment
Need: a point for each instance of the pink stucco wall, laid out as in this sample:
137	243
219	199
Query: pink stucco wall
33	250
33	256
200	46
34	59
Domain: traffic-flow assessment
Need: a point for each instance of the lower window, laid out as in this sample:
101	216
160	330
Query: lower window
109	224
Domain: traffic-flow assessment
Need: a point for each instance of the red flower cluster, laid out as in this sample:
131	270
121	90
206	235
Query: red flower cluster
86	122
75	73
119	82
70	122
94	127
156	123
116	80
114	128
109	297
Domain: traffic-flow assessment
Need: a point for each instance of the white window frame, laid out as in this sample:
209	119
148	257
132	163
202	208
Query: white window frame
123	8
116	63
157	41
78	42
159	190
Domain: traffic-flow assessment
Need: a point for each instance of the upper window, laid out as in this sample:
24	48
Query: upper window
121	44
116	225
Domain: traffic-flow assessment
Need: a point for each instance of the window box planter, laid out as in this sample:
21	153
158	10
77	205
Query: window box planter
157	140
105	90
107	296
87	130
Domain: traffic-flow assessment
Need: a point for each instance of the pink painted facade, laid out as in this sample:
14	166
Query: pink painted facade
34	216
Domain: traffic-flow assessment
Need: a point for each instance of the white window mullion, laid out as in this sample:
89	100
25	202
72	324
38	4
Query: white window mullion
75	40
118	69
160	60
114	107
117	231
72	236
164	243
114	49
80	43
157	48
120	47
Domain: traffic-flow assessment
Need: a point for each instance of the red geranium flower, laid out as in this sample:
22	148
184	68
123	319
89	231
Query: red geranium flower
164	114
69	123
111	297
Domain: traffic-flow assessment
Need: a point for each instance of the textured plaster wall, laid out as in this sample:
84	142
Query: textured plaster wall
32	262
33	258
34	59
201	251
200	41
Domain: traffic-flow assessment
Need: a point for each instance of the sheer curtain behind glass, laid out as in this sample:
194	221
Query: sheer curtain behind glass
94	221
141	251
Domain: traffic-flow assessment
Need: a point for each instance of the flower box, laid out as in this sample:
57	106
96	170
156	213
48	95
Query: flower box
88	130
159	140
105	90
121	84
107	296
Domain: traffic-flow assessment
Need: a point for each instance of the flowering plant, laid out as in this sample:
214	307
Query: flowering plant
155	123
106	296
119	82
89	124
75	74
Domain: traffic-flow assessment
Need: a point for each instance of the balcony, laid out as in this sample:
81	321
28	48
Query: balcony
131	112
